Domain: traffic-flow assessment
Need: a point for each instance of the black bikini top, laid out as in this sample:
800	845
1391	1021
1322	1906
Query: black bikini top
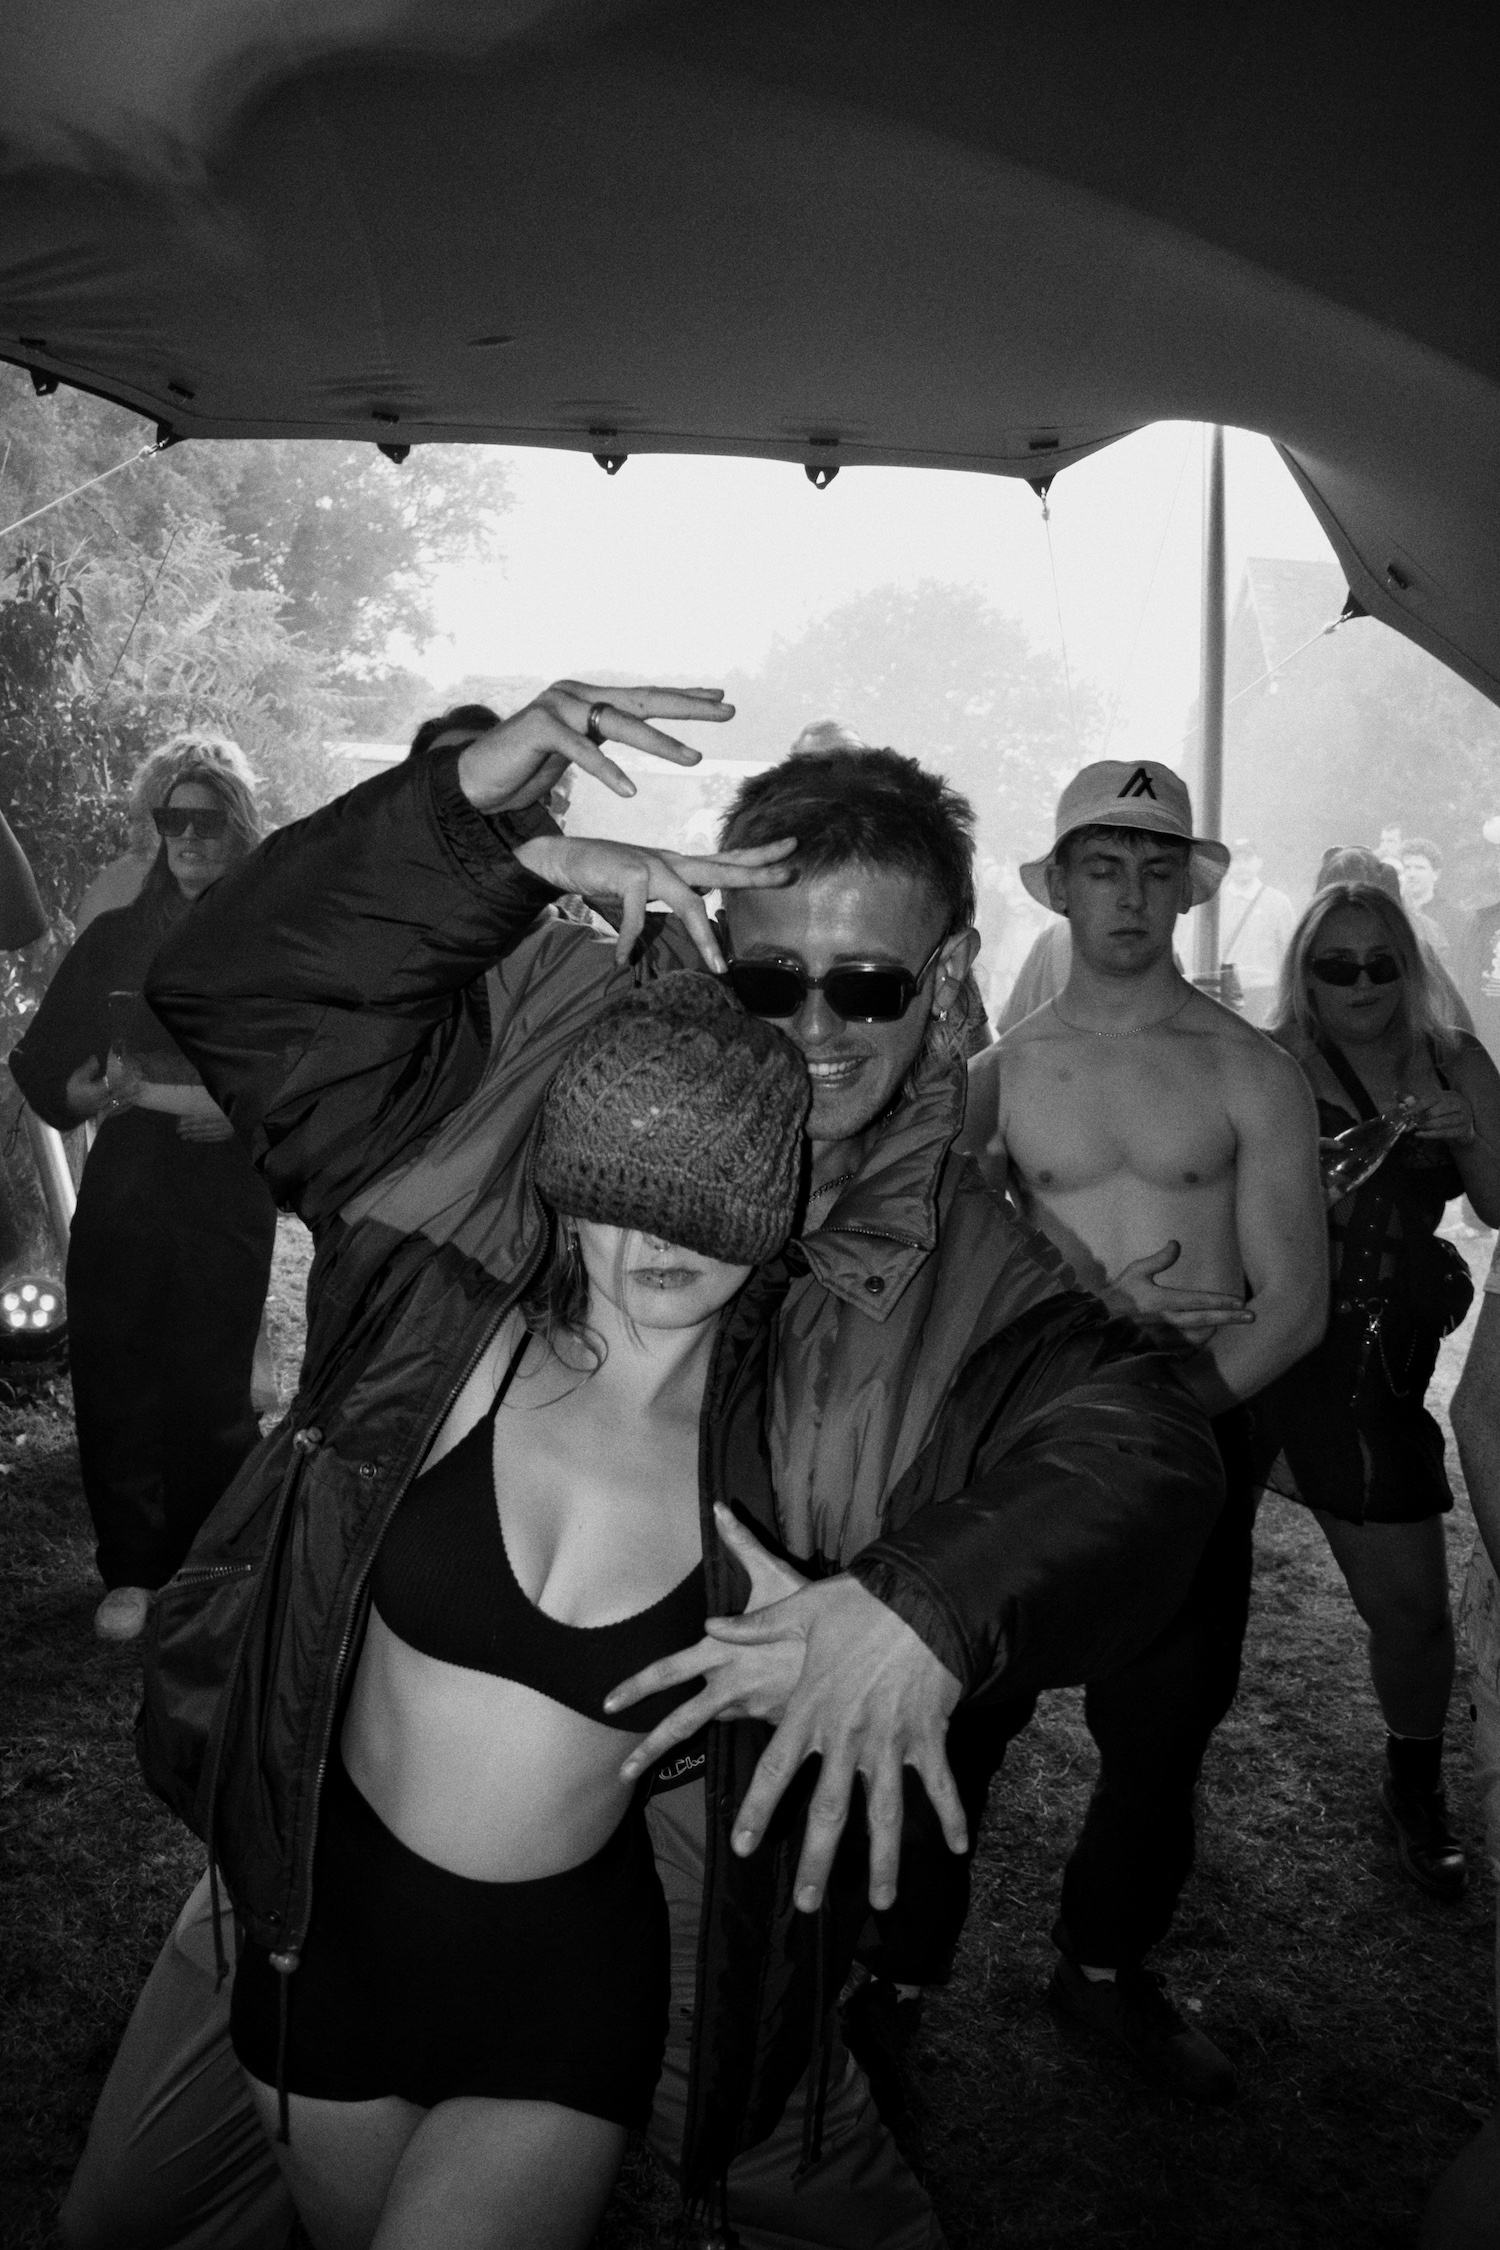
443	1583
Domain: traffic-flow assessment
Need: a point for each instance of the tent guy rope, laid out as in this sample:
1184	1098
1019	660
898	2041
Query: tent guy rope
130	461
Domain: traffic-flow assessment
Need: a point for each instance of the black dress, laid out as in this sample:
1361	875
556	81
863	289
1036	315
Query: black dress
1354	1436
168	1266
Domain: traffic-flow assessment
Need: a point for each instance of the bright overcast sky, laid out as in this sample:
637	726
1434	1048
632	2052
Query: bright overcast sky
691	566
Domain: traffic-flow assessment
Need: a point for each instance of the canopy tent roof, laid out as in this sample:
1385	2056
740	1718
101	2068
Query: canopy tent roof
949	233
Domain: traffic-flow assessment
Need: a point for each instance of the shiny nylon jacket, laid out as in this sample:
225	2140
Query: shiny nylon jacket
913	1394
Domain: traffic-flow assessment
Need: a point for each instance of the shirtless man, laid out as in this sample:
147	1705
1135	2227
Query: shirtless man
1171	1154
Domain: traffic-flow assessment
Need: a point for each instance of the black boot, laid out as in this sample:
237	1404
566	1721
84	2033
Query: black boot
1132	2012
1415	1804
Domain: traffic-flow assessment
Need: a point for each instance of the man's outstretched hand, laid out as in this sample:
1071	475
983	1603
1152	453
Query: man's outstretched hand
1138	1289
843	1679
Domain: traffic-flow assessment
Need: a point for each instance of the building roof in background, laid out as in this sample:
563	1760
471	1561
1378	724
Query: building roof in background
1281	606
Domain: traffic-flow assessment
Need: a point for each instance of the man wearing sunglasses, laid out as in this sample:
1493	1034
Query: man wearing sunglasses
937	1400
1170	1151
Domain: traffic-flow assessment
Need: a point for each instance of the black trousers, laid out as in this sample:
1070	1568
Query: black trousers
167	1274
1152	1721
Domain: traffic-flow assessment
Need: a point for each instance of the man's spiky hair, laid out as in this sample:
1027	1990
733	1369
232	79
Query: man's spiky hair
868	808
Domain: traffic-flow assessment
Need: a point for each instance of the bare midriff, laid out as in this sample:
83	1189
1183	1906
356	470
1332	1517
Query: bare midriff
482	1776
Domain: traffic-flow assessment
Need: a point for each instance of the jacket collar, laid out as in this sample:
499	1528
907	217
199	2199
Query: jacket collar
884	1226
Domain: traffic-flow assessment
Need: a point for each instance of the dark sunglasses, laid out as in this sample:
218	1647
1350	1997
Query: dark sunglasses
1381	968
190	820
860	992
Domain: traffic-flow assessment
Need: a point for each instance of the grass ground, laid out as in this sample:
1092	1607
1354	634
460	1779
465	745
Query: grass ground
1358	2013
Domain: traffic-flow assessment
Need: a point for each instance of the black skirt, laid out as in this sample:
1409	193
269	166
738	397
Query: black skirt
418	1982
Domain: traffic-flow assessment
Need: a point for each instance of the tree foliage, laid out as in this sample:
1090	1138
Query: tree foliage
251	589
1363	730
934	670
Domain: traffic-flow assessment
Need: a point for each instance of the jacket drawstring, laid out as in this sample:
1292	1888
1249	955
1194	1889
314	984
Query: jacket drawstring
216	1911
285	1965
815	2101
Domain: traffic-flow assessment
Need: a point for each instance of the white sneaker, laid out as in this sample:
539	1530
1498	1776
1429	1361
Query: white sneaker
122	1614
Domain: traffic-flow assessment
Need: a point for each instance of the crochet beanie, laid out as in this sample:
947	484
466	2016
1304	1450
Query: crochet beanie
679	1115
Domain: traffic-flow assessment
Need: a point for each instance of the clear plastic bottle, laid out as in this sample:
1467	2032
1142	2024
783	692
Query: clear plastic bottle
1348	1159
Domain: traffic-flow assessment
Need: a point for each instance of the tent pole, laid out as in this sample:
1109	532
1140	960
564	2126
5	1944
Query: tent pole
1211	691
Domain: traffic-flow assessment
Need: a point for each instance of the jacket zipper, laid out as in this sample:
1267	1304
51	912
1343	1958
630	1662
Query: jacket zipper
292	1957
712	1780
204	1571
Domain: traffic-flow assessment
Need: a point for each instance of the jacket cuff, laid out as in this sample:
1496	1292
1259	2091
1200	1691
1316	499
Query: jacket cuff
471	835
918	1599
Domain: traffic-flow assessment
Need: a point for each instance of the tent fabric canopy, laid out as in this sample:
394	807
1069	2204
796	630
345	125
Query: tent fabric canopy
950	235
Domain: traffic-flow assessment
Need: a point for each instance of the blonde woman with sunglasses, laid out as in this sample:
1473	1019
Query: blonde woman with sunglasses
171	1243
1362	1012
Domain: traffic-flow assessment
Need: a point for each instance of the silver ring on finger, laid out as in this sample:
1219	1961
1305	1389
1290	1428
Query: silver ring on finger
593	726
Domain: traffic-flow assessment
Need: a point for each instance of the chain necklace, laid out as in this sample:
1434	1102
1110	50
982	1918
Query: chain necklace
1135	1029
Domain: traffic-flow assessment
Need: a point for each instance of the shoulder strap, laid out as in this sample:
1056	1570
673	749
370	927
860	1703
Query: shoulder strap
1348	1078
510	1375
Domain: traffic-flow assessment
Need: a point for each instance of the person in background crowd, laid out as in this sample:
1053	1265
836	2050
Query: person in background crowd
1477	966
1362	1014
1421	868
1389	846
1009	925
1356	863
171	1244
120	882
1170	1154
1255	926
1040	978
117	884
23	918
1464	2212
827	734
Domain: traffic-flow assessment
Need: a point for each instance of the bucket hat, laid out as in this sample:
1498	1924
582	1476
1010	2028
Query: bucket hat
1117	794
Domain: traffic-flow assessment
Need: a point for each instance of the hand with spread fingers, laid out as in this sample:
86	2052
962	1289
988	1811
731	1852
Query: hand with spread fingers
516	763
846	1681
635	876
738	1682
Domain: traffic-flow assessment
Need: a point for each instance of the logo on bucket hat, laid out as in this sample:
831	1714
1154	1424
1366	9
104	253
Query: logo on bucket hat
1150	796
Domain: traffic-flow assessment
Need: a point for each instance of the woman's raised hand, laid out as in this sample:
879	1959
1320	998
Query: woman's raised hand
634	875
515	763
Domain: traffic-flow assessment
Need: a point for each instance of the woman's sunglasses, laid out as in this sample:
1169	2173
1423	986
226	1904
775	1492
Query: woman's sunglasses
190	820
859	992
1381	968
